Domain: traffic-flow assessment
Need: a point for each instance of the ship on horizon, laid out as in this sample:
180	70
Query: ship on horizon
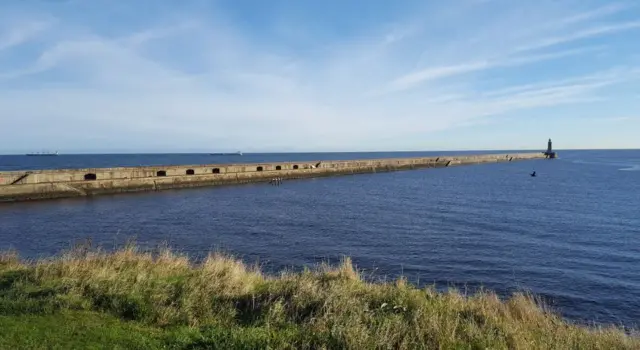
43	153
227	154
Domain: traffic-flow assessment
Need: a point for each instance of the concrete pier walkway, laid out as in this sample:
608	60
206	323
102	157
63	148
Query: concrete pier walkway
49	184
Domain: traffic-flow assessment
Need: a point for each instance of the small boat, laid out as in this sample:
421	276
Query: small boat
42	154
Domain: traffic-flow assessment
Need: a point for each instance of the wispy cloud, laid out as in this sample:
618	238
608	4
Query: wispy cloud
415	78
579	35
622	119
21	33
593	14
612	119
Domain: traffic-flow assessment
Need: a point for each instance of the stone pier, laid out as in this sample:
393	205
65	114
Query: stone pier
49	184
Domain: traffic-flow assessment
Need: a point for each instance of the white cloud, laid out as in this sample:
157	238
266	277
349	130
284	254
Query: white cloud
579	35
613	119
593	14
21	33
416	78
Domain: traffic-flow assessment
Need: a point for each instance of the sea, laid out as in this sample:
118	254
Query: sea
570	235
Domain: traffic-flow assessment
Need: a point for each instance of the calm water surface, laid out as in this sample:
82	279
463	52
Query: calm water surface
570	235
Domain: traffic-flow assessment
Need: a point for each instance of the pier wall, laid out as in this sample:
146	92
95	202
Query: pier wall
49	184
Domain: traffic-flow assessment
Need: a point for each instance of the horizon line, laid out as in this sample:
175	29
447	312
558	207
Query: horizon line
320	152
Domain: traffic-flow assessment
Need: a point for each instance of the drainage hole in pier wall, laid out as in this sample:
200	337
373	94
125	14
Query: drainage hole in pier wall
215	170
278	167
90	177
259	168
295	167
190	172
161	173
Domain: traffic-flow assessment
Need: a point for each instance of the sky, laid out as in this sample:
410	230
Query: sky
82	76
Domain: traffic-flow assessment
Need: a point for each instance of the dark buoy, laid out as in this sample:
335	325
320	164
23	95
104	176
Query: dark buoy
533	174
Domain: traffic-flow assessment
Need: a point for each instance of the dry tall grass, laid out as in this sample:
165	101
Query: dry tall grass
321	308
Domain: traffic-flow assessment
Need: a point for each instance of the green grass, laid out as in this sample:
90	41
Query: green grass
75	330
137	300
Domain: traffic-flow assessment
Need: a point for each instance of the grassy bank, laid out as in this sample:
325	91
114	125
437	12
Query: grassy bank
130	299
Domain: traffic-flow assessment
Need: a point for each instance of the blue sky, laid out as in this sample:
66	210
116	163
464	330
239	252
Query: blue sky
195	75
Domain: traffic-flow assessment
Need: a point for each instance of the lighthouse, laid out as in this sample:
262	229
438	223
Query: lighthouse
550	153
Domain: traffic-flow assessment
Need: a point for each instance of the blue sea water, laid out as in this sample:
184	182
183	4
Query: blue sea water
570	235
